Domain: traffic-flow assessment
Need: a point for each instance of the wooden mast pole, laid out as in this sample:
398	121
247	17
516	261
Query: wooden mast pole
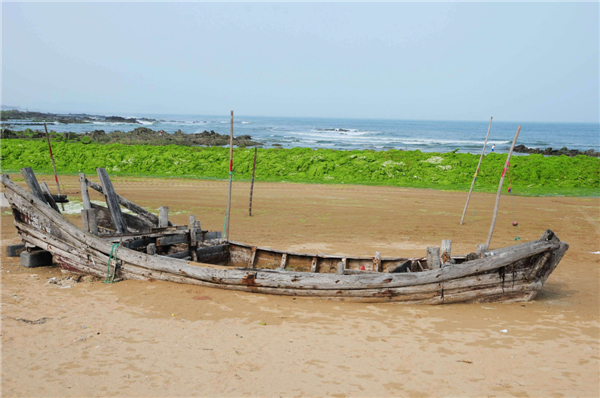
462	219
489	239
252	183
228	214
53	165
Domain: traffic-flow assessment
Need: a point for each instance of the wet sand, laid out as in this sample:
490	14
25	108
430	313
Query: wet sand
163	339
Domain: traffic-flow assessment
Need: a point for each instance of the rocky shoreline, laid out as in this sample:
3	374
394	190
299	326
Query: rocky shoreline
556	152
42	117
138	136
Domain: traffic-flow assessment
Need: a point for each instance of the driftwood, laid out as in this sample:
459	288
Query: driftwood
514	273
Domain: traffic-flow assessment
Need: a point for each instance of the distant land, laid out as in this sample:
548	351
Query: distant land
65	118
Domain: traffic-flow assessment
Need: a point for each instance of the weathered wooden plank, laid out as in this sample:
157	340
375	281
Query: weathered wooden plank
251	262
90	221
433	257
481	249
446	251
163	216
341	266
377	264
193	242
85	196
48	195
314	265
112	202
283	261
182	255
211	235
172	240
151	249
33	184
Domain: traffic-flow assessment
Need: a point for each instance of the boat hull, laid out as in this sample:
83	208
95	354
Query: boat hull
510	274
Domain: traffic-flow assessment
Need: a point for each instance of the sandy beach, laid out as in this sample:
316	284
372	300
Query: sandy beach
164	339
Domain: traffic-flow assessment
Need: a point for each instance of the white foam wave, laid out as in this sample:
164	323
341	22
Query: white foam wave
145	122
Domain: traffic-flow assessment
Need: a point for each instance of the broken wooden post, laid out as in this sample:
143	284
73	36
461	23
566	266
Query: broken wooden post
53	165
251	262
151	249
163	216
252	183
446	251
90	220
193	242
49	197
341	267
112	202
481	249
433	257
506	166
85	196
377	264
462	219
283	262
314	265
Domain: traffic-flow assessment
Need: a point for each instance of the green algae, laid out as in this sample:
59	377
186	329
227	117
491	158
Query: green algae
529	175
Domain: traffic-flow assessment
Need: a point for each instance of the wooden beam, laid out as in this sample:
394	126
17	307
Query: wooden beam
193	244
172	240
341	266
314	265
283	261
433	257
33	184
48	196
252	257
90	220
85	196
112	202
377	264
446	251
163	217
481	249
151	249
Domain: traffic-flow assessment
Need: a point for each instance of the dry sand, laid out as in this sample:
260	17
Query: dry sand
164	339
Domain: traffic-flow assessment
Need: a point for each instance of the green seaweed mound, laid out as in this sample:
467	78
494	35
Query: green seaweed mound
529	175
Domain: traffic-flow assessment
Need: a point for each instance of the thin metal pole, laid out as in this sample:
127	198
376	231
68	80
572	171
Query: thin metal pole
230	178
462	219
489	239
252	184
53	165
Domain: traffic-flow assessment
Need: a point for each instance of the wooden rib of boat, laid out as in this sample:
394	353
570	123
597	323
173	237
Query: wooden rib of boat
147	250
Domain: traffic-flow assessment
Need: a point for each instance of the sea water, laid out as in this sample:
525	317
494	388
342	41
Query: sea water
350	134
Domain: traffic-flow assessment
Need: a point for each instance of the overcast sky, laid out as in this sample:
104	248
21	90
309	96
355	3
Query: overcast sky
441	61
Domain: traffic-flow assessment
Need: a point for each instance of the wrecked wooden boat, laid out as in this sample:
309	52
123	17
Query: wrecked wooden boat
144	246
